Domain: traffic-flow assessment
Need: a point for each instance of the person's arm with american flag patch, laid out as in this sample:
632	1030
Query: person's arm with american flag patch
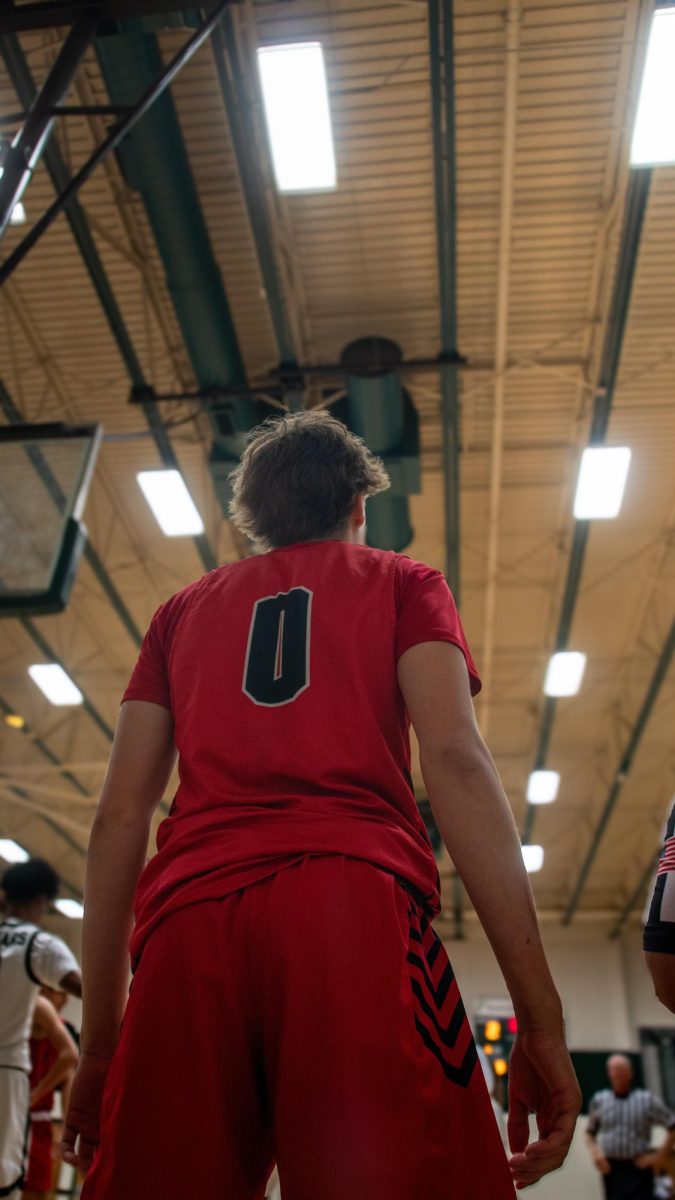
659	931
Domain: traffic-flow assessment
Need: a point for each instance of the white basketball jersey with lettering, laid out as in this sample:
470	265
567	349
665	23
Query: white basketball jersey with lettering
29	959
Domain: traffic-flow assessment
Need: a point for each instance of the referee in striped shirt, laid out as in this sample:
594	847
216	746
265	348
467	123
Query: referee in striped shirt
620	1123
659	933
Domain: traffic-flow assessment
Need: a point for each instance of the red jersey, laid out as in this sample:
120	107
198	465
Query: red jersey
292	733
42	1056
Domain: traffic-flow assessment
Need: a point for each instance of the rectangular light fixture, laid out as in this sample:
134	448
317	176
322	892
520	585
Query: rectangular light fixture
55	684
654	131
171	503
15	720
542	787
602	481
12	852
297	111
533	857
18	216
70	908
565	673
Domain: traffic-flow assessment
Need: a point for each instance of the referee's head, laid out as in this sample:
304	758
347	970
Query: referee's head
29	889
620	1072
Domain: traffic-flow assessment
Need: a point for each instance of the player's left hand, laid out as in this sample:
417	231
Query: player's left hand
84	1111
541	1081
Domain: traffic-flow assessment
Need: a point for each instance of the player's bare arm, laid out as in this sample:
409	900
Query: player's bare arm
46	1024
141	762
477	827
661	967
72	984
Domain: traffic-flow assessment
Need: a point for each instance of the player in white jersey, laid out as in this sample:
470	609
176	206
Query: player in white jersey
29	959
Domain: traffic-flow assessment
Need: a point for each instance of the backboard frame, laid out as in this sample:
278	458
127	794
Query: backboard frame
54	597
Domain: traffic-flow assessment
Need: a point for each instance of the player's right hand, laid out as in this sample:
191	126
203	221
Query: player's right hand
541	1081
84	1111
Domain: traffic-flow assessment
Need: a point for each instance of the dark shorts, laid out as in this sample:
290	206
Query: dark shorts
628	1182
312	1019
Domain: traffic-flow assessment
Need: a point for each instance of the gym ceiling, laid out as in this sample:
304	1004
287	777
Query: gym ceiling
486	220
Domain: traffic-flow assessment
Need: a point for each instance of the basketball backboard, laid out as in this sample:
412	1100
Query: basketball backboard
45	472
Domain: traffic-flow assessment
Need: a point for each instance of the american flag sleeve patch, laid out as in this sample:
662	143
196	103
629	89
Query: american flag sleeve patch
667	859
659	932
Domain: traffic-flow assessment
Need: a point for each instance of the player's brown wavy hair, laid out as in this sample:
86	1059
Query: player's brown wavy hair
299	478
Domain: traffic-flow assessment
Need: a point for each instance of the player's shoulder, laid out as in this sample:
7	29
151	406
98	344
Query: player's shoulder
413	577
15	933
171	610
413	567
180	599
43	941
405	571
45	937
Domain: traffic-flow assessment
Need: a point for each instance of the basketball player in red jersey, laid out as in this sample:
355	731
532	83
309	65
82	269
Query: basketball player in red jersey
54	1058
291	1000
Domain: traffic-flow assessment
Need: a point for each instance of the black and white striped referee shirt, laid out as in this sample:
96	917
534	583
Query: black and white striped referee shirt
623	1125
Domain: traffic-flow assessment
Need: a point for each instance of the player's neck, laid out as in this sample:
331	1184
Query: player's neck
32	912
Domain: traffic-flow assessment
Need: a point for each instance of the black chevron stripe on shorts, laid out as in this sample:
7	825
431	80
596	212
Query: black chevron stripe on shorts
440	1016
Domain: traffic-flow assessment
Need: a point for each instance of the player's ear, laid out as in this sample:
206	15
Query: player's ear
359	512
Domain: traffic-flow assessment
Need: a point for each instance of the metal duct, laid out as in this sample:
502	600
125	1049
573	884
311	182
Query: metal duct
379	409
155	163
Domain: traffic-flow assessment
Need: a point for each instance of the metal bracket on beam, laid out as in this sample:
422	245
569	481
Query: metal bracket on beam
288	380
48	14
112	141
70	110
27	147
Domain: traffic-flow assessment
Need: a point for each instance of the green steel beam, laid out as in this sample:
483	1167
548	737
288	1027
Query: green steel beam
240	119
441	47
634	214
442	62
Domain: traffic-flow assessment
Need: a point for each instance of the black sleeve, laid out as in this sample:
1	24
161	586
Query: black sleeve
659	932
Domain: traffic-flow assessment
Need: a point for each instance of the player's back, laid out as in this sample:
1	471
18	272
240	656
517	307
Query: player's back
285	678
281	674
18	991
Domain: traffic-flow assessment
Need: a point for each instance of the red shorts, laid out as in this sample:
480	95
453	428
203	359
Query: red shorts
40	1158
314	1019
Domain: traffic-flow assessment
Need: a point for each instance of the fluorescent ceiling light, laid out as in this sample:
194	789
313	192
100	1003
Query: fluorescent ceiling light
70	908
542	787
602	480
533	857
295	95
18	216
564	674
654	131
12	852
55	684
15	720
171	503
